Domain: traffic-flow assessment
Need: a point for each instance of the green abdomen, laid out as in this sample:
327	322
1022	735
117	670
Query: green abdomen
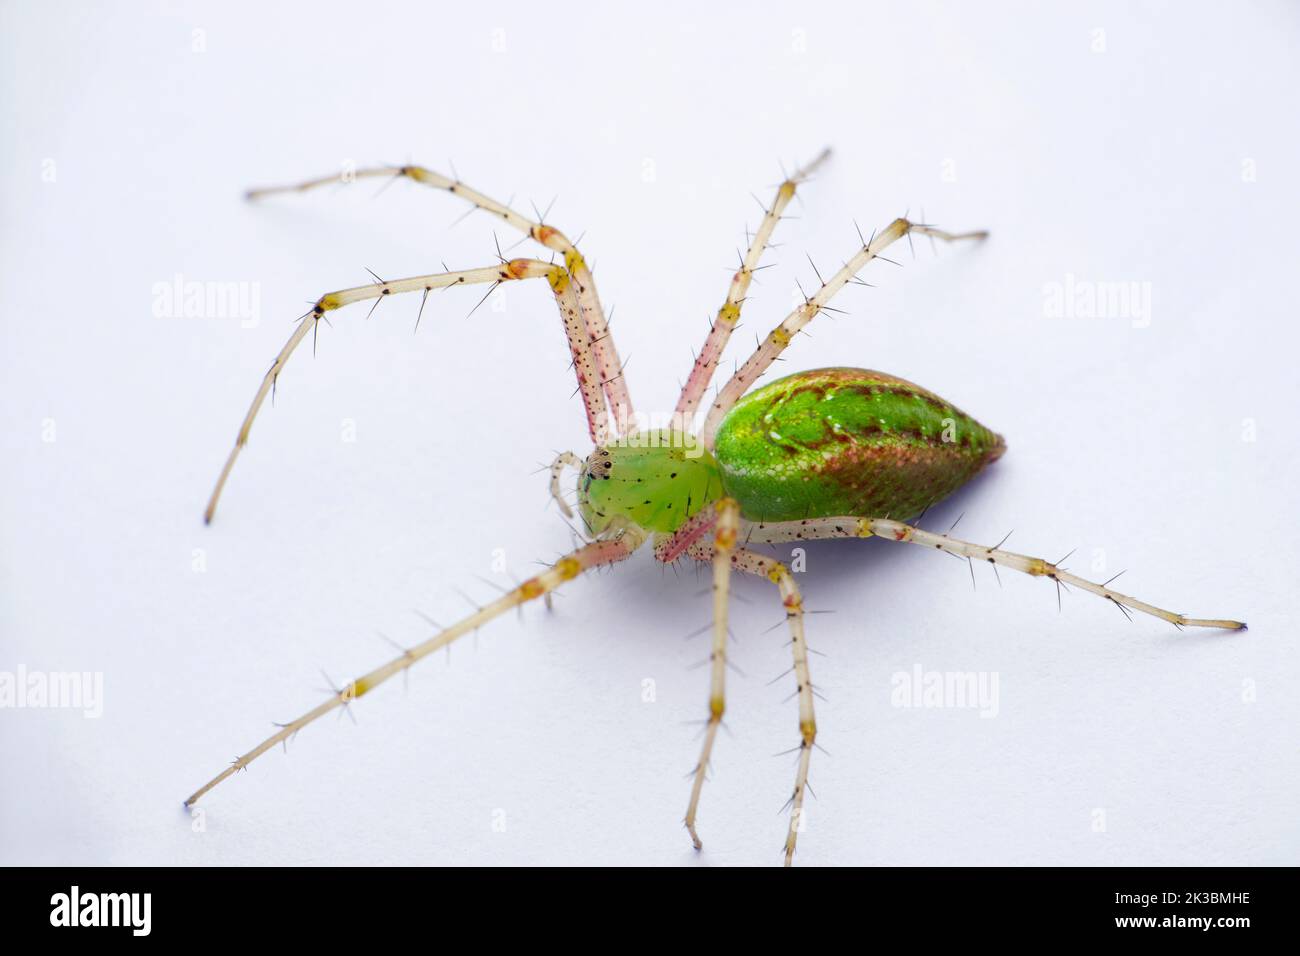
847	441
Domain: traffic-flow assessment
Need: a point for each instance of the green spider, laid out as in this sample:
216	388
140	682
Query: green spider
831	453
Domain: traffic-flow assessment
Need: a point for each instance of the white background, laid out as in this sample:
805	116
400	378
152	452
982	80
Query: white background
1151	143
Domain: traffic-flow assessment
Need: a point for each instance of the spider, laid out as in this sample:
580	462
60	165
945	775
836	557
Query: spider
829	453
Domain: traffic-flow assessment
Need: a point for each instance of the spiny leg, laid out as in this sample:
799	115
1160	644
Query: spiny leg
751	562
724	543
849	526
722	519
728	316
595	554
584	364
692	540
565	459
780	337
599	338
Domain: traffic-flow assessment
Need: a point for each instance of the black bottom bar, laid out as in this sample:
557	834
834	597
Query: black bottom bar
339	907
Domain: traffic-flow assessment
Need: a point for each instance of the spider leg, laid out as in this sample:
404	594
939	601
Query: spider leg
728	316
722	519
593	555
751	562
780	337
691	539
850	526
599	339
565	459
584	362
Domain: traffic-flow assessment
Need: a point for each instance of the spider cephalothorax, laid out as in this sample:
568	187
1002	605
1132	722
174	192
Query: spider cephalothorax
832	453
653	479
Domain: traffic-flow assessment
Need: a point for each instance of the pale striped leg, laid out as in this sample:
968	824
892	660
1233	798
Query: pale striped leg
849	526
724	543
600	342
584	363
670	547
780	337
593	555
728	316
691	540
751	562
565	459
722	519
